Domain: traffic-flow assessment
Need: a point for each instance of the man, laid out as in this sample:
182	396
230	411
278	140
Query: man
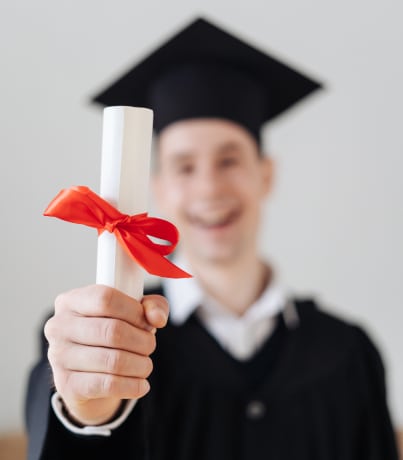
241	370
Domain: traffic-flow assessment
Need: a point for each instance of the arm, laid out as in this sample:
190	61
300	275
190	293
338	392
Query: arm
378	439
99	346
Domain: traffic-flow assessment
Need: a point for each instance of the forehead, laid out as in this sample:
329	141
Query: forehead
203	135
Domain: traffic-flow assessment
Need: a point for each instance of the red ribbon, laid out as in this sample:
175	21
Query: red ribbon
81	205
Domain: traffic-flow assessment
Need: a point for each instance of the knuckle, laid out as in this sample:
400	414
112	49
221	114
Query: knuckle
52	356
114	361
137	387
90	387
107	385
60	380
104	297
57	355
86	389
50	329
148	344
65	382
112	332
140	387
80	386
60	301
151	343
147	367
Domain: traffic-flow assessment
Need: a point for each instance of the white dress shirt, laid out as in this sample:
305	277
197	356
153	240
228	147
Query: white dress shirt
241	336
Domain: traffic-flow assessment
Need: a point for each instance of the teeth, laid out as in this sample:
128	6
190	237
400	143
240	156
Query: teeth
213	220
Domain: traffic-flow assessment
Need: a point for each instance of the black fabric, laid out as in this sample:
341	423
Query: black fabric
205	71
317	392
209	90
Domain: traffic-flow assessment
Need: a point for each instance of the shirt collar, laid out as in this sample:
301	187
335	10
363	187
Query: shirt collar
185	296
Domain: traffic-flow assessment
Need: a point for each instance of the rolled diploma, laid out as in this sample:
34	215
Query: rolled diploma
125	170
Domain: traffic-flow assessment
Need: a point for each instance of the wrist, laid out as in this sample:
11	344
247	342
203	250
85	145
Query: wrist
91	430
85	414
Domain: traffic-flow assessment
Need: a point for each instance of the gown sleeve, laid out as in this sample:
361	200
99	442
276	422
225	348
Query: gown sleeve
378	438
48	439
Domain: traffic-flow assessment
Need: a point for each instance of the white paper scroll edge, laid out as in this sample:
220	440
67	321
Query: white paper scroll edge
125	171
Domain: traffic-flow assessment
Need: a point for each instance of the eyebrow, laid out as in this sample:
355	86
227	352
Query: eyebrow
182	155
229	146
225	147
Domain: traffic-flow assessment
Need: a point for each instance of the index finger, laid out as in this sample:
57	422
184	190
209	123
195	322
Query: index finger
103	301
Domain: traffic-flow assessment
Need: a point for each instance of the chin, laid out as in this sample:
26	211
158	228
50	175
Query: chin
215	256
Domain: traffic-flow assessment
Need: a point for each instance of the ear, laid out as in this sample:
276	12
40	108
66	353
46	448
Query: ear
267	173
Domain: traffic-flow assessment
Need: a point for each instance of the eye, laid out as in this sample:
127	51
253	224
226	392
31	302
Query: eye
185	169
228	161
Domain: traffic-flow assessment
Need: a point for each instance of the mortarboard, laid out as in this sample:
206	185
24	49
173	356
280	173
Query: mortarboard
204	71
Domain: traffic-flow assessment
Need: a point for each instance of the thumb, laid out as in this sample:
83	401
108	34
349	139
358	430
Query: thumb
155	310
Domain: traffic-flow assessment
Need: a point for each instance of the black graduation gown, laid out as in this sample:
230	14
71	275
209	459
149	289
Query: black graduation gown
315	392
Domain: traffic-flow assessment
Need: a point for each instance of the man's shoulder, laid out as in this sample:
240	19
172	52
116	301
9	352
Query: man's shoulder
318	325
325	332
315	316
320	320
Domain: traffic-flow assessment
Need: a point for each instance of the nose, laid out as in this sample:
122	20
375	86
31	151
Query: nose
208	182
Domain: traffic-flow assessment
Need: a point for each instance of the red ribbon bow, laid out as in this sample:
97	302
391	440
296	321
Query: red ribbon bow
81	205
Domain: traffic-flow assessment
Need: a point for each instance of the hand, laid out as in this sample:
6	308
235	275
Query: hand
100	342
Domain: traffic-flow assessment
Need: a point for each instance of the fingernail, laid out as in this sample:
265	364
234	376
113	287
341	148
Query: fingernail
145	386
161	314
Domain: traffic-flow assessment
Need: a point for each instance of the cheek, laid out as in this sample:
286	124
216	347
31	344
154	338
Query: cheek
250	188
170	198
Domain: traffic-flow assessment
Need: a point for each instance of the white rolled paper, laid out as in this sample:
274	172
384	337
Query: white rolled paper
125	171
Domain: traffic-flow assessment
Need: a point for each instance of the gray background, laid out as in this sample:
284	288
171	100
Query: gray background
334	226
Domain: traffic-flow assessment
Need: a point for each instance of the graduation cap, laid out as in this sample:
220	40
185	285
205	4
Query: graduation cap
204	71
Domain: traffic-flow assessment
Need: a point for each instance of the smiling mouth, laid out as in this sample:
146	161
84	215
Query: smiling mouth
214	220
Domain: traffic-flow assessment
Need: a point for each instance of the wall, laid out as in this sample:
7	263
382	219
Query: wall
334	226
